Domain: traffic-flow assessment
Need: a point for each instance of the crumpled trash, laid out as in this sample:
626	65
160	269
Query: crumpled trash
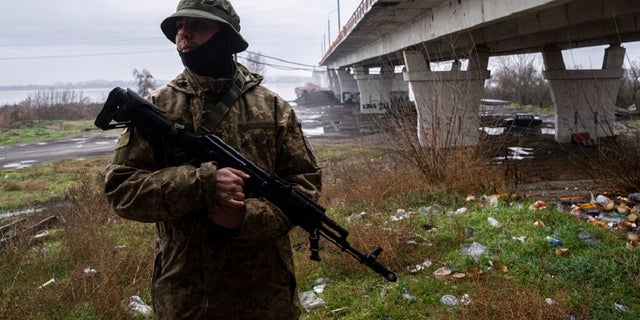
490	201
401	214
407	295
474	250
449	300
321	283
586	237
522	239
461	211
310	301
538	205
493	222
89	272
419	267
432	209
356	216
137	306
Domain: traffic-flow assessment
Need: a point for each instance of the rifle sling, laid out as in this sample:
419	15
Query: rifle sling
222	107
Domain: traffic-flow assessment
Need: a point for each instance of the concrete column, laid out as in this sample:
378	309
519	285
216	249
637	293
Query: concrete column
375	89
447	102
584	99
334	83
349	92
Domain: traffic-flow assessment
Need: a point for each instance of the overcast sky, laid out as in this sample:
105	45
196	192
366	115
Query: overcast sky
45	42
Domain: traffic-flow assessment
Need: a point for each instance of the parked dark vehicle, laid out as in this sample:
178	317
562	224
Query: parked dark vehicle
522	120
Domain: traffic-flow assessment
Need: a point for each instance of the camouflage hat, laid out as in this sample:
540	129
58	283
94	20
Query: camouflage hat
216	10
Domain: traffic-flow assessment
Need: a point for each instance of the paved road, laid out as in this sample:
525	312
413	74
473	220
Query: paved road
317	121
77	147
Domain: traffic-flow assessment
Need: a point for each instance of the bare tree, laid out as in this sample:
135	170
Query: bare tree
631	86
519	79
256	63
145	81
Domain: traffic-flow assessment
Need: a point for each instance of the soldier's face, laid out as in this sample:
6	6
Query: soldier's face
193	33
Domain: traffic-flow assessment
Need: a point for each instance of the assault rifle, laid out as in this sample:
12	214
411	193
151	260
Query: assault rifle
125	108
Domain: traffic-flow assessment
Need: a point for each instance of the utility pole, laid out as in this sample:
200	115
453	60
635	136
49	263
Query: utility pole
339	24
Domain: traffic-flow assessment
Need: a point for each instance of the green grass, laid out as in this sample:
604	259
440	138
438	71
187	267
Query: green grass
39	185
590	282
41	130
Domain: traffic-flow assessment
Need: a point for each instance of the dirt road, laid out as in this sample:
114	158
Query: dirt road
77	147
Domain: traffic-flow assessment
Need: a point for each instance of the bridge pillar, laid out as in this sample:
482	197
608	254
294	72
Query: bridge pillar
447	102
349	91
375	89
584	99
334	83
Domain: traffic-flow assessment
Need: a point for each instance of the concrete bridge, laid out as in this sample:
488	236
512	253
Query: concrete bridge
384	36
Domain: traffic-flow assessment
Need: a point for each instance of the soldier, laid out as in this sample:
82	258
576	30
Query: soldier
220	253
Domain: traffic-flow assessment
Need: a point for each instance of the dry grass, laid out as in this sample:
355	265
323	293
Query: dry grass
120	252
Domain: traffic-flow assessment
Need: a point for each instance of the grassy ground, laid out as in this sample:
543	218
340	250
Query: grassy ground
39	130
521	275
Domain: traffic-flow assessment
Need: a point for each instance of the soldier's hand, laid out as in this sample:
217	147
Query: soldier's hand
228	210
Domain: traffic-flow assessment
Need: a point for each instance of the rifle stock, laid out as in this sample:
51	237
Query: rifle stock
125	108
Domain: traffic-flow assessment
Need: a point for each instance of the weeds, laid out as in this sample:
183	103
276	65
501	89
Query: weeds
373	180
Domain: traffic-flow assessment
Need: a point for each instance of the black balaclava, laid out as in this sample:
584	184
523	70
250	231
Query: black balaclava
212	59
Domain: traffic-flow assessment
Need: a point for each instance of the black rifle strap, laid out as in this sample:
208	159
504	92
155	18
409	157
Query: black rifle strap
223	105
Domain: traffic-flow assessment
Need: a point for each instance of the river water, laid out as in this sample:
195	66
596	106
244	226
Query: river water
99	95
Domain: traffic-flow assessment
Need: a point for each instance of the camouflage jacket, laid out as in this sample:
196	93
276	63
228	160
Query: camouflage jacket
202	271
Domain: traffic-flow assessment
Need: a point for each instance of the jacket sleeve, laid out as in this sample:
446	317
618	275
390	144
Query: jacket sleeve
138	189
296	164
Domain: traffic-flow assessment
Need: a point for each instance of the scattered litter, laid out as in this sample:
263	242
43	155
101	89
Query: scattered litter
538	223
449	300
401	214
474	272
490	201
474	250
420	267
321	283
310	301
356	216
462	211
137	306
465	300
555	242
89	272
586	237
432	209
338	312
407	295
458	275
549	301
499	267
601	199
562	251
442	272
493	222
538	205
522	239
51	281
470	232
620	307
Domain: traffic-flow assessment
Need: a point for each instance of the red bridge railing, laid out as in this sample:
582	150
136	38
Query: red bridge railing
360	12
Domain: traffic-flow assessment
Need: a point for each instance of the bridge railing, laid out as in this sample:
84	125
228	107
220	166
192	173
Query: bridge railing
357	15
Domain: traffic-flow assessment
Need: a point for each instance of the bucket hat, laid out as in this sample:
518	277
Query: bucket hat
216	10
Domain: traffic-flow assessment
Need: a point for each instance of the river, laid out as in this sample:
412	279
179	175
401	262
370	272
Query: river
99	95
